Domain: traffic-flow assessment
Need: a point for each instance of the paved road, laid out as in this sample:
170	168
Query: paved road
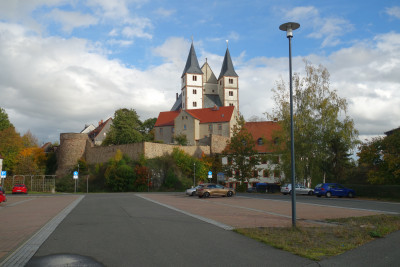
126	230
158	229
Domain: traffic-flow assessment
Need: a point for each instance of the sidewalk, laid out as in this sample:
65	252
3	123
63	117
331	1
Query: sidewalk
23	216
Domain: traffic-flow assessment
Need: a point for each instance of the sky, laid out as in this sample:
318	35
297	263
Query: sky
66	64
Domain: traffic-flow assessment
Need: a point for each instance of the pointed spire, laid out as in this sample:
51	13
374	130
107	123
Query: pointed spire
192	64
227	66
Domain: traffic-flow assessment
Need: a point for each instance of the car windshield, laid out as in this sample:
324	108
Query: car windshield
318	186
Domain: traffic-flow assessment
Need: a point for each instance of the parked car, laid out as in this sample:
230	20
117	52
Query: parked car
19	189
300	189
252	189
3	197
333	189
191	191
207	190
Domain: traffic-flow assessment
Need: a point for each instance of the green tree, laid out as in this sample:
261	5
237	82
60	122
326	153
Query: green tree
181	139
323	132
147	129
10	146
4	121
381	157
119	175
242	152
125	128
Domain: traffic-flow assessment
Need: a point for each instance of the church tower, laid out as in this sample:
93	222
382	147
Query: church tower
228	83
192	83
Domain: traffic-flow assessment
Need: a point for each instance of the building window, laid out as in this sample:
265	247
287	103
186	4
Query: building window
230	104
184	127
161	131
172	130
219	127
194	78
210	127
265	173
230	81
194	91
260	141
194	104
230	93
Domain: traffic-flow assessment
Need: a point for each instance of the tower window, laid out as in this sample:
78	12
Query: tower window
194	78
184	127
230	93
230	104
194	104
194	91
230	81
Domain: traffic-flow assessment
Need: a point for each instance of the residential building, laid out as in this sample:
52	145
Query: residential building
99	134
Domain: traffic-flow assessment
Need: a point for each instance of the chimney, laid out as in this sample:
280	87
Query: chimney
100	122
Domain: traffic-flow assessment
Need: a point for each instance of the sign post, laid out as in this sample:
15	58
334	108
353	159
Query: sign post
76	175
210	175
3	176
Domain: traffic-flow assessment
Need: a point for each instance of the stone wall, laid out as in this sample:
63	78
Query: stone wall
218	143
76	146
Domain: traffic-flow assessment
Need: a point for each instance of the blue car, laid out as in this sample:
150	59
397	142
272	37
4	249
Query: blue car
333	189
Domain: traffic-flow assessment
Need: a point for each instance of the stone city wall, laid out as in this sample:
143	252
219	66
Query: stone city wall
71	149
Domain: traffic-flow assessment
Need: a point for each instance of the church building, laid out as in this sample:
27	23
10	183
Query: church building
205	106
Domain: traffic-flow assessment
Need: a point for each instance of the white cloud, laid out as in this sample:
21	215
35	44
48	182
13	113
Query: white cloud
71	20
329	29
164	12
393	11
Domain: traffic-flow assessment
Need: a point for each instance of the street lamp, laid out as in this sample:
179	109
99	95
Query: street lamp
289	27
194	174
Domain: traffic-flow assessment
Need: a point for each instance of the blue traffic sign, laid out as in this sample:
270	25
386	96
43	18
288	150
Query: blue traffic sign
3	174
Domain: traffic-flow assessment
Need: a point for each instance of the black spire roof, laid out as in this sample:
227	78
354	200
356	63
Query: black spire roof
192	65
227	66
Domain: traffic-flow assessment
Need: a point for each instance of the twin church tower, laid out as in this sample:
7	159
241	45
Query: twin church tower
200	88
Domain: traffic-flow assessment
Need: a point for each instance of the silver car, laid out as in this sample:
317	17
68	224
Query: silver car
300	189
191	191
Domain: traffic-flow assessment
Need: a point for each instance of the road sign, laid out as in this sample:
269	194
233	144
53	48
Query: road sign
209	174
3	174
75	175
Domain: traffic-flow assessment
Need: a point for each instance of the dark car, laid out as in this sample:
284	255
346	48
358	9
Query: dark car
333	189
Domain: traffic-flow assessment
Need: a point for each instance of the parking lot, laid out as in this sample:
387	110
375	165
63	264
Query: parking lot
24	215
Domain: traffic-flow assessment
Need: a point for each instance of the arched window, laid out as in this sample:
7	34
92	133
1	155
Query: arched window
260	141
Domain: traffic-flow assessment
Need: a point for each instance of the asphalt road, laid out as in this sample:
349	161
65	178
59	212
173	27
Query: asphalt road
126	230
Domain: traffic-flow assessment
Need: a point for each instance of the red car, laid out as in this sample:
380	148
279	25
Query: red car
2	197
19	189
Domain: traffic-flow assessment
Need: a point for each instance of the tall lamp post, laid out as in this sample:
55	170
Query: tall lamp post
194	174
289	27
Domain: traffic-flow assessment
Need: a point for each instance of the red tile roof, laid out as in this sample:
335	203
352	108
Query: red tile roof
166	118
96	131
263	129
204	115
215	114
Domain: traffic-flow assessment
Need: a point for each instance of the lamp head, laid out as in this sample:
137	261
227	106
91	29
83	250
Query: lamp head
289	27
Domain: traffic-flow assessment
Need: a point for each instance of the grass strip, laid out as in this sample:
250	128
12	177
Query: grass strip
317	243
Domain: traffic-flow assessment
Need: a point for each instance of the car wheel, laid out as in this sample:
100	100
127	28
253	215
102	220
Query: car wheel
284	194
230	193
328	194
310	193
200	196
193	193
206	194
350	195
318	195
